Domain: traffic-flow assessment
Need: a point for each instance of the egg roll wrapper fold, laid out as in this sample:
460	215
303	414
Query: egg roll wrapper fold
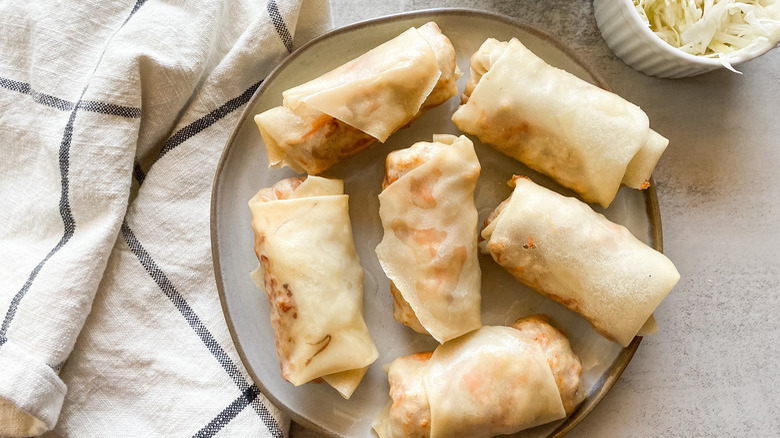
586	138
492	381
344	110
314	281
429	247
563	249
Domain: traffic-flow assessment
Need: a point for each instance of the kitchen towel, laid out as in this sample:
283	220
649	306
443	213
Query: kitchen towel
113	115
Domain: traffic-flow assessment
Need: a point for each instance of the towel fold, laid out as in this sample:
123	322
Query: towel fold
113	115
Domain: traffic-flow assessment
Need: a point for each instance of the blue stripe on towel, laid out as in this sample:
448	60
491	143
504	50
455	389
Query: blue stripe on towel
92	106
197	325
69	223
209	119
281	28
227	414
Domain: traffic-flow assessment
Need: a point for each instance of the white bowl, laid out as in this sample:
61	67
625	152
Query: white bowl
633	41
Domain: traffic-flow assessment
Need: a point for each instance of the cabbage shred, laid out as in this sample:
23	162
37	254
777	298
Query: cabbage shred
726	29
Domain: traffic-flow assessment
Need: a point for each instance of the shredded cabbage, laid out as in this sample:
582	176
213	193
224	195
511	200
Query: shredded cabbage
727	29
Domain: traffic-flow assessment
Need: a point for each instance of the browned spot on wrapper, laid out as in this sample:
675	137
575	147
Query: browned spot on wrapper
327	141
326	340
281	300
571	303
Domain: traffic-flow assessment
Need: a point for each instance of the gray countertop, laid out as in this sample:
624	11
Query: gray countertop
714	367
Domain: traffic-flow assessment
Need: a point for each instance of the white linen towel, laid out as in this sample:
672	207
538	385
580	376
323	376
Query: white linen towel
113	115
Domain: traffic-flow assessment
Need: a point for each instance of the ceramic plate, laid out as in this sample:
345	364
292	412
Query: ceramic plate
243	170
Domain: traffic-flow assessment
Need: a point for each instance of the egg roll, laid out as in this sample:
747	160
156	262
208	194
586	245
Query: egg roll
429	248
313	279
367	99
586	138
495	380
563	249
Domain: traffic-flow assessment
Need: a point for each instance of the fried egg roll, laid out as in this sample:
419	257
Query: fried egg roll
586	138
314	281
493	381
367	99
563	249
429	248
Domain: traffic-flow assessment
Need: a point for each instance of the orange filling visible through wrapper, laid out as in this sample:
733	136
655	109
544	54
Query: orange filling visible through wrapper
367	99
579	258
312	276
429	248
586	138
492	381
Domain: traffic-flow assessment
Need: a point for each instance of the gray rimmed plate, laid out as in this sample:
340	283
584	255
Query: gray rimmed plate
243	169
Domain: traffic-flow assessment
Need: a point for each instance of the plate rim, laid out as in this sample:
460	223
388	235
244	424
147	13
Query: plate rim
612	374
